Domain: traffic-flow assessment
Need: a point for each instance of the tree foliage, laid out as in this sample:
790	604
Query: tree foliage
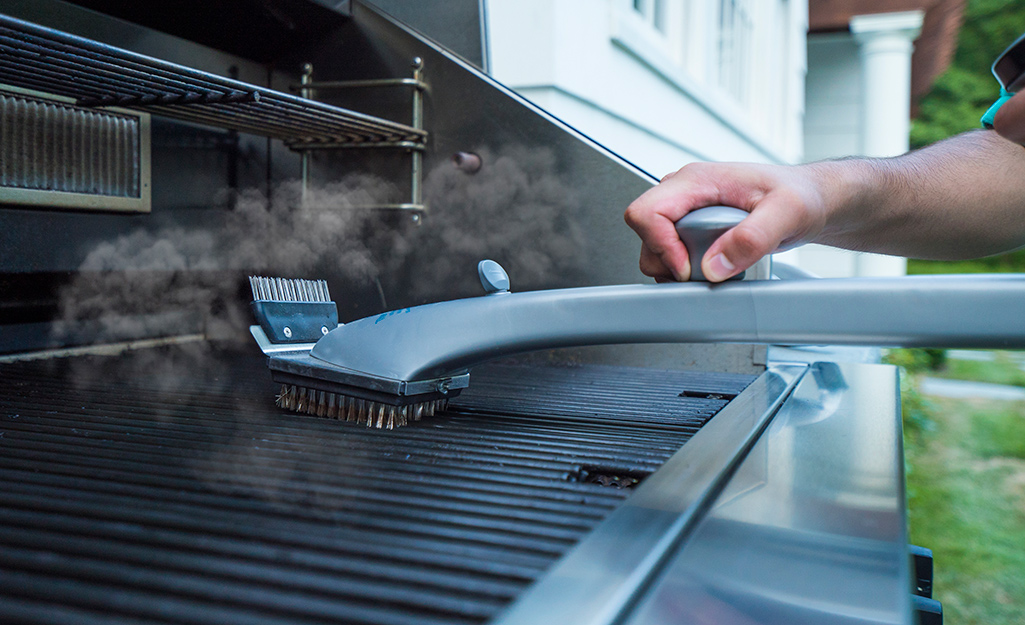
963	93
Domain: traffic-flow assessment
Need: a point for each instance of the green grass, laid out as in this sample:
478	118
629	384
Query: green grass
998	432
966	491
1001	370
1013	262
1004	368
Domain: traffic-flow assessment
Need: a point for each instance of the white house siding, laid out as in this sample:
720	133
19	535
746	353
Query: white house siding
832	121
645	78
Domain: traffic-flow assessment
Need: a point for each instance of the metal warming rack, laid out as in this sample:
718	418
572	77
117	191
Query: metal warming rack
99	75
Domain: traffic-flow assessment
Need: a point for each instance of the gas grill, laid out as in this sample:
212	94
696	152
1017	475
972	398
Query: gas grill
151	161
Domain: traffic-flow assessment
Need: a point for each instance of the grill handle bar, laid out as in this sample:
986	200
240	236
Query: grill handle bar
977	311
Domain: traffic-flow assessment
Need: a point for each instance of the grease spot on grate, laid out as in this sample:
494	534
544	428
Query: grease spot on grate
608	476
708	395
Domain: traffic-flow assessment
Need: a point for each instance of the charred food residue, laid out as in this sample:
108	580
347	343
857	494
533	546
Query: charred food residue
608	476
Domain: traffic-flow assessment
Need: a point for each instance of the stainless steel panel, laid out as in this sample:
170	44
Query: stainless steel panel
812	526
459	25
599	580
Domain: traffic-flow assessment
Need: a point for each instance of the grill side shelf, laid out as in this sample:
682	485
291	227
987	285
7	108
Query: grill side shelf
96	74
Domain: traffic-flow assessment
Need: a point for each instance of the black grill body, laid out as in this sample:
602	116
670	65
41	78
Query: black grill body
165	487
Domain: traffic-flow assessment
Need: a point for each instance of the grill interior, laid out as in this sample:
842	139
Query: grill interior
163	486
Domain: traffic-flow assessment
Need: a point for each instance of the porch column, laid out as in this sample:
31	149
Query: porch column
885	43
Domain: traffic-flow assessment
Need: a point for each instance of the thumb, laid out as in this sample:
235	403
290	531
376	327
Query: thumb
759	234
1009	121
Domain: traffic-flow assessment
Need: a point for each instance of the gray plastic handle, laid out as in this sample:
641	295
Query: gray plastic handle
922	311
700	228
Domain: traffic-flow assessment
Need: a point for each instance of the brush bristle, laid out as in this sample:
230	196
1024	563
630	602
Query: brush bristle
289	289
354	409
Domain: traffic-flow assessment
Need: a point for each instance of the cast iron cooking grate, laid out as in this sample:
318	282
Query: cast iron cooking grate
163	486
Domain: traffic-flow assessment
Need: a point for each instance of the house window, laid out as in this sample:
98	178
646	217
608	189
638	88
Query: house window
653	12
736	31
735	55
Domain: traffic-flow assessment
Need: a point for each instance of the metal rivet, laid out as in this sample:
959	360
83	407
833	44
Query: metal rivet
466	162
323	330
287	332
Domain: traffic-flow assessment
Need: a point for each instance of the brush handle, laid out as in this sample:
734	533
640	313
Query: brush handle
700	228
920	311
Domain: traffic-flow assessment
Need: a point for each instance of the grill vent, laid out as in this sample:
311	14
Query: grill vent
92	159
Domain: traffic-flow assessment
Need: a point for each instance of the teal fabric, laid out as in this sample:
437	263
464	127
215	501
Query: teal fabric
987	119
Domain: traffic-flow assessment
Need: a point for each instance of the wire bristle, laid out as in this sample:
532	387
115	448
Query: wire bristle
354	409
289	289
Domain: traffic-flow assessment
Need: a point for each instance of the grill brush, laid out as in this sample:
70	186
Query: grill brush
293	315
396	367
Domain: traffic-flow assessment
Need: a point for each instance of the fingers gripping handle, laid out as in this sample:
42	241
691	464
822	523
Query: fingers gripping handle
699	228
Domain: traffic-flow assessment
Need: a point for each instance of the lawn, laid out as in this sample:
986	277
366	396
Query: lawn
966	491
1005	368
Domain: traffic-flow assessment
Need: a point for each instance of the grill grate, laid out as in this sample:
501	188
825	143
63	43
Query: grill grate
164	487
95	74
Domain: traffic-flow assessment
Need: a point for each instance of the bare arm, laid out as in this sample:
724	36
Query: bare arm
959	198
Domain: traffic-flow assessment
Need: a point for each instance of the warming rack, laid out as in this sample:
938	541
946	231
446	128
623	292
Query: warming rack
97	75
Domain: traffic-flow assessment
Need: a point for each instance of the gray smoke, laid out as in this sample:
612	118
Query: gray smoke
292	234
172	280
516	210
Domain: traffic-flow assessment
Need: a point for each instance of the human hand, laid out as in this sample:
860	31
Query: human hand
1009	121
787	208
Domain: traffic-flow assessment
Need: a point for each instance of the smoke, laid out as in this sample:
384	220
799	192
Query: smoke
292	234
170	281
516	210
175	280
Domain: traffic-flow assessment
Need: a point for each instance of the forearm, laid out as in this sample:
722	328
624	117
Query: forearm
960	198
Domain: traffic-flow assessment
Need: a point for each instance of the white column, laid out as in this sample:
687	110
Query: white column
885	43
